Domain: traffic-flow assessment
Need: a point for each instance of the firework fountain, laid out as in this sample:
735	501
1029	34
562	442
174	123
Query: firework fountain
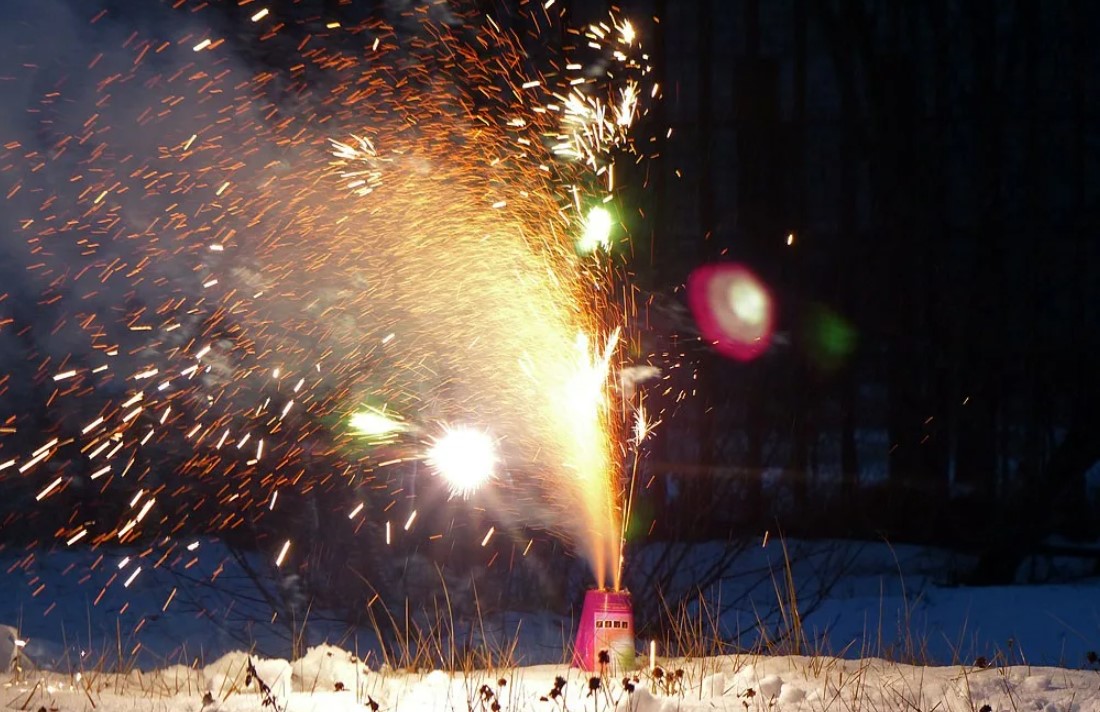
396	236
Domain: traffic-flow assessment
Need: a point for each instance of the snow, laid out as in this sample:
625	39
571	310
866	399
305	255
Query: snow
8	648
327	678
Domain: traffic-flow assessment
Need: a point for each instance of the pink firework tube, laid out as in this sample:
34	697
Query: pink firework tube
607	624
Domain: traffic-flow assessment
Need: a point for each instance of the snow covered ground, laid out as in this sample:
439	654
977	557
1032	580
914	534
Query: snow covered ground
177	633
331	679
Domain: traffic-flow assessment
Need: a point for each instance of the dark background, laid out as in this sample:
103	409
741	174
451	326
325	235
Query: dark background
936	162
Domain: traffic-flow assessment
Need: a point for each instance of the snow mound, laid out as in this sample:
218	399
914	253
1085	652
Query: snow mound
330	669
229	675
771	686
8	649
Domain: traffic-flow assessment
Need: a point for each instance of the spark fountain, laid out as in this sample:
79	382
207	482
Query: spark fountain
408	253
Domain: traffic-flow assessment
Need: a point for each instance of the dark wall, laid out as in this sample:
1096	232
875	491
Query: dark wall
937	165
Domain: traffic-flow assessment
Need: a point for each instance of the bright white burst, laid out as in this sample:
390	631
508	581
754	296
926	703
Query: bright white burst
465	458
597	230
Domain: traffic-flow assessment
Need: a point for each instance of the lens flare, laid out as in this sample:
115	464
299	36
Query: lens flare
748	301
375	424
733	309
466	459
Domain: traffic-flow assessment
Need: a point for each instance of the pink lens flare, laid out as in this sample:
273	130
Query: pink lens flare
733	308
607	624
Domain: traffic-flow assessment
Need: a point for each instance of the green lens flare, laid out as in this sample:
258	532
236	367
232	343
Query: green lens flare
832	340
374	423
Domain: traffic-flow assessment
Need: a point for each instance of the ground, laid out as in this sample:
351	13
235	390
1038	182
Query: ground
171	644
329	679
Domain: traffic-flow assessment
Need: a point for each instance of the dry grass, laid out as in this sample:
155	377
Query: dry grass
698	660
